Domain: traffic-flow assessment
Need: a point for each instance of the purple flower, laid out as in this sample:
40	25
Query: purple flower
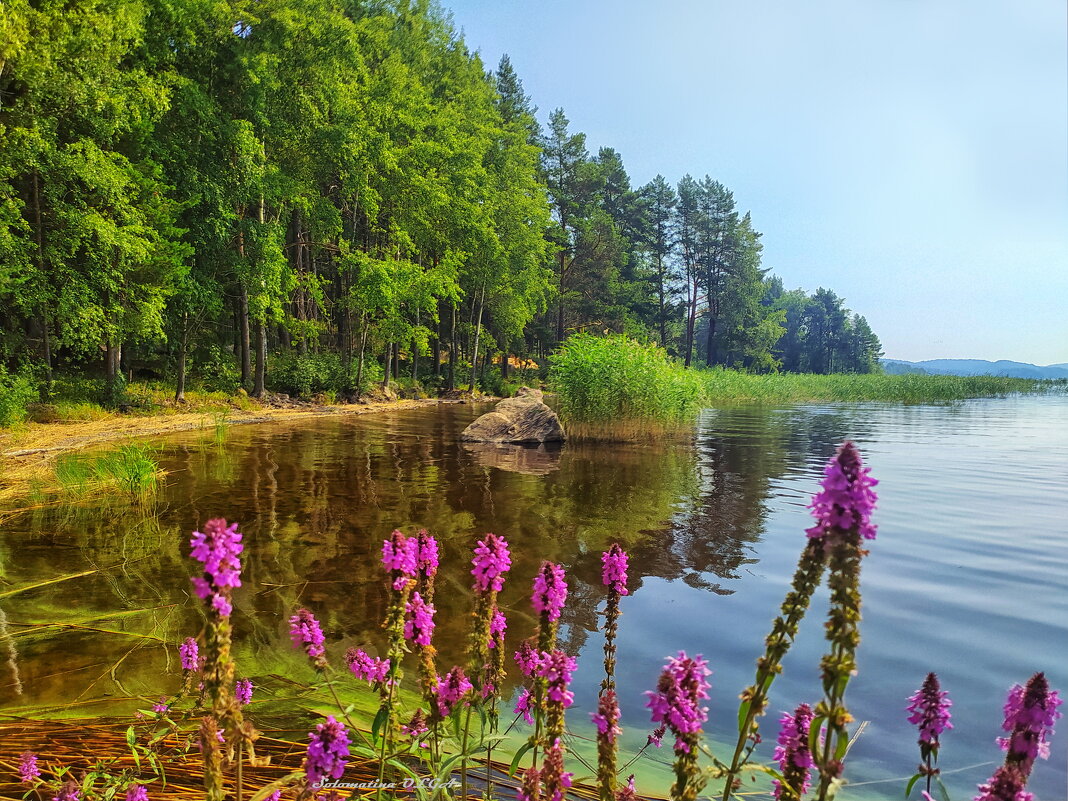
400	554
656	736
416	727
243	691
1030	713
427	554
930	711
528	658
419	620
614	569
275	796
524	707
217	548
847	498
550	591
554	781
189	652
70	791
452	688
328	750
28	770
531	788
305	632
365	666
490	563
792	752
556	667
162	707
136	792
676	701
498	625
628	793
1007	784
606	718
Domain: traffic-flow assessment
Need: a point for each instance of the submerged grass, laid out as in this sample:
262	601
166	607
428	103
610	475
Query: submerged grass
614	388
130	468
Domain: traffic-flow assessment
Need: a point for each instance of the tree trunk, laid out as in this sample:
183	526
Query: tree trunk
179	392
691	320
415	352
660	289
261	361
478	334
711	337
46	388
388	365
242	319
560	308
504	359
452	350
112	357
363	351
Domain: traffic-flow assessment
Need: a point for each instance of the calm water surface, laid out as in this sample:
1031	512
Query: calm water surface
967	576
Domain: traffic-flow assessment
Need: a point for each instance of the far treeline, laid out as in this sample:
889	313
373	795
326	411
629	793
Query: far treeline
315	195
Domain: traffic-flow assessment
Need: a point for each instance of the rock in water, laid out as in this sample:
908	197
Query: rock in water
524	418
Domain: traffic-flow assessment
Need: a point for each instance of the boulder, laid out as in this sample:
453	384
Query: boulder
524	418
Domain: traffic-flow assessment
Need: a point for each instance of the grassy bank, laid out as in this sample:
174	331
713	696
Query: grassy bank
614	388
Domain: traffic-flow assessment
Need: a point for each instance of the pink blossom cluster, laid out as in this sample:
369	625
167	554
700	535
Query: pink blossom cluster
614	569
550	591
556	668
606	718
305	632
676	701
846	499
218	548
491	561
419	620
366	667
452	688
400	554
792	751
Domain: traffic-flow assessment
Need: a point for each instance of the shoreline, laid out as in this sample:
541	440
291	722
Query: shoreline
26	456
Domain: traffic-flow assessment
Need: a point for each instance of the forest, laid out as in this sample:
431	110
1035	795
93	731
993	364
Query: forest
319	195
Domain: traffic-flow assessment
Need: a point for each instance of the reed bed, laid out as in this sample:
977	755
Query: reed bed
614	388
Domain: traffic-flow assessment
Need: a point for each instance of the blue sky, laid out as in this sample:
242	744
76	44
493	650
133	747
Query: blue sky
912	155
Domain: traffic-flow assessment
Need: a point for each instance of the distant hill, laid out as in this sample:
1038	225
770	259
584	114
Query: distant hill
976	367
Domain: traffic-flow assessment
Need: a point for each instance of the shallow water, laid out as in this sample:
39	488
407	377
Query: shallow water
967	576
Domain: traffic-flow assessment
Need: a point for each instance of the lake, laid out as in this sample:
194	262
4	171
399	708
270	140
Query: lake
967	576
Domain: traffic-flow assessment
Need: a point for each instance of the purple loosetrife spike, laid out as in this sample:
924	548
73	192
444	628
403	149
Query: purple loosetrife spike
243	691
793	755
606	719
677	703
492	560
930	711
189	652
218	548
28	769
531	787
550	591
328	751
614	569
453	687
307	634
136	792
69	791
419	620
554	780
366	667
843	513
400	554
1030	713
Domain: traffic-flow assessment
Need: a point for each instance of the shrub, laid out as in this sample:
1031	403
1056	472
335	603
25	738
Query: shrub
17	391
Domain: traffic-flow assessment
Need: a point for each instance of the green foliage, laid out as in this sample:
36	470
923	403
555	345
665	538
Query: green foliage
17	391
314	373
615	387
131	468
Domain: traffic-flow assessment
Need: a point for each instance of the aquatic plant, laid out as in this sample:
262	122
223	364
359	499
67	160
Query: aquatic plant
793	755
676	703
929	708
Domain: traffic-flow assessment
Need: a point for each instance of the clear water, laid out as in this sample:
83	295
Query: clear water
967	577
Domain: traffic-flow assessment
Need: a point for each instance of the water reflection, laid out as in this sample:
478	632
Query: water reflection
712	525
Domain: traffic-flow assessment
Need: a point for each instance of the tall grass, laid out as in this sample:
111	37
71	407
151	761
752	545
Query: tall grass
129	468
616	388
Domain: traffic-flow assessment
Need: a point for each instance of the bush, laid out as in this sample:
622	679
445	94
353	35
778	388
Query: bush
17	391
617	388
314	373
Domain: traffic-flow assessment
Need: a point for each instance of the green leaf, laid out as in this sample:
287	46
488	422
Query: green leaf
514	766
380	722
912	783
942	791
743	713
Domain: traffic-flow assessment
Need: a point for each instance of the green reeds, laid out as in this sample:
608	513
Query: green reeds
130	468
615	388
